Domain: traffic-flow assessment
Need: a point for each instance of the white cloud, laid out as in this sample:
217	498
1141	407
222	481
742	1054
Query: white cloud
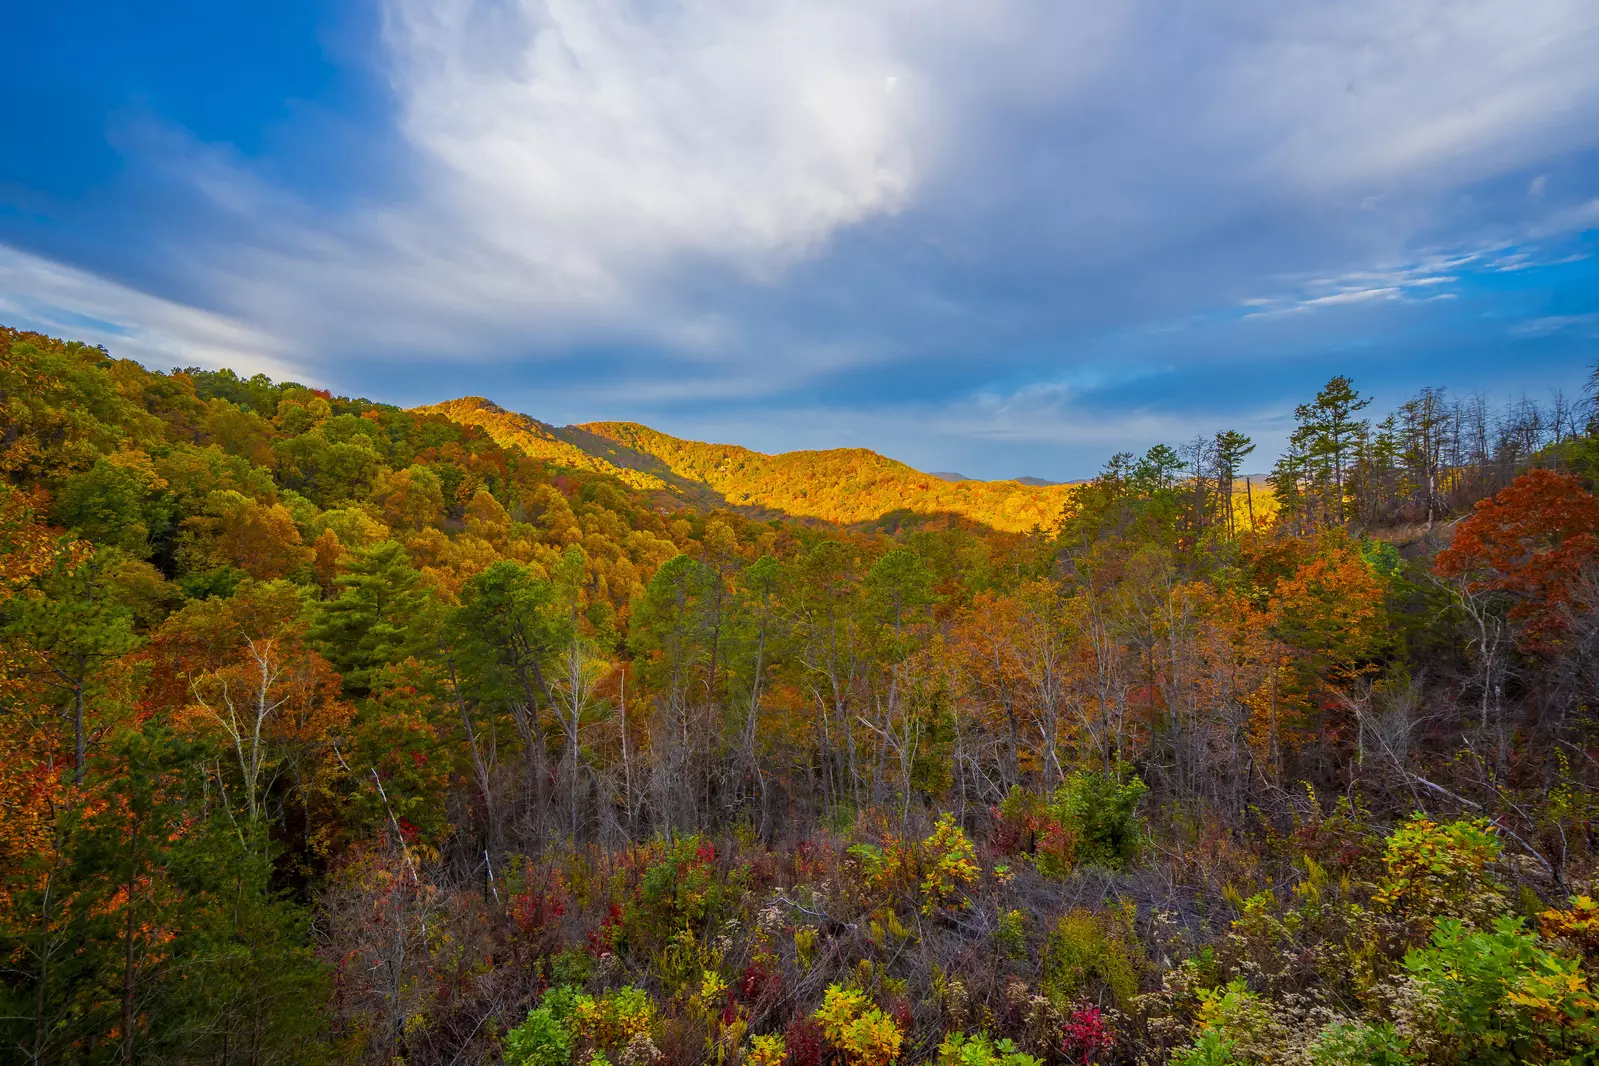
51	298
647	175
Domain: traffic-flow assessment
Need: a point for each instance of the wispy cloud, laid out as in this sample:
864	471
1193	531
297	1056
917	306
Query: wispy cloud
1583	324
675	209
49	297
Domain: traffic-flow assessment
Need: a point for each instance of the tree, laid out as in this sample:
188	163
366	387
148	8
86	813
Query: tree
1530	543
1230	447
1331	431
506	638
382	615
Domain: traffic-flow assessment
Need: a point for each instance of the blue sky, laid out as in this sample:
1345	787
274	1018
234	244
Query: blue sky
997	236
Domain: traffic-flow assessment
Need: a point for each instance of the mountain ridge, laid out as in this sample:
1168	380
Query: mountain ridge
848	486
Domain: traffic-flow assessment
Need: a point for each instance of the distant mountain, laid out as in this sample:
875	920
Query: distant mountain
1035	482
845	485
948	475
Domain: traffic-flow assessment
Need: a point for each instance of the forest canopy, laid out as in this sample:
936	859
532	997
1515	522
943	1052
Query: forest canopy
332	732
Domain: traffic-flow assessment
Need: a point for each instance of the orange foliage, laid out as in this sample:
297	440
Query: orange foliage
1532	542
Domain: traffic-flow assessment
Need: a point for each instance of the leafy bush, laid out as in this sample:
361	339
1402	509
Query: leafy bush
958	1049
1102	808
1085	1036
1089	952
768	1050
541	1040
1437	869
1350	1044
1235	1026
951	866
862	1034
1091	818
614	1019
1501	996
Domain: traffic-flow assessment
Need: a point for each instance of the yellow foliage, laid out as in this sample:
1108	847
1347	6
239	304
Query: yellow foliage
862	1034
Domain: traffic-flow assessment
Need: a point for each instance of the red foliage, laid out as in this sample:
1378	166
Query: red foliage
602	941
1532	542
1085	1036
804	1043
534	909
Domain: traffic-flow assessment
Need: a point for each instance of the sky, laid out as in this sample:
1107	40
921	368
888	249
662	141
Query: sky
1001	237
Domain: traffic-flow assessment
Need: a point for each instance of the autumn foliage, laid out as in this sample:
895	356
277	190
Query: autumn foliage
337	733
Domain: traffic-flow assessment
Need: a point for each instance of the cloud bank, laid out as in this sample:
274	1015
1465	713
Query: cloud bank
682	205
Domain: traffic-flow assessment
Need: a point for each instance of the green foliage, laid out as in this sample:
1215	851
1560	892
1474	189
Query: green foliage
1235	1027
861	1033
116	504
1090	953
1359	1044
541	1040
1102	809
1501	996
380	617
958	1049
950	865
1438	869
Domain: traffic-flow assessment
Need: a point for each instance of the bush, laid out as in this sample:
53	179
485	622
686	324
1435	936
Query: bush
1102	809
1235	1026
958	1049
1085	953
541	1040
1091	818
951	865
1350	1044
1501	996
863	1035
1440	869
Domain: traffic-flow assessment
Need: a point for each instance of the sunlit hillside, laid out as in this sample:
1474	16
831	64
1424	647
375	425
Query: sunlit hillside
847	485
534	439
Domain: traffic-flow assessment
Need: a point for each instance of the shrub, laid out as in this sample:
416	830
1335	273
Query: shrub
804	1042
1351	1044
1091	818
768	1050
1235	1026
614	1019
1102	809
1438	869
1086	950
1502	993
863	1035
541	1040
958	1049
1085	1036
951	865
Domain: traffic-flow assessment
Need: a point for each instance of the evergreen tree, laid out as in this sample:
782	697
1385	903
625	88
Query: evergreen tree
382	616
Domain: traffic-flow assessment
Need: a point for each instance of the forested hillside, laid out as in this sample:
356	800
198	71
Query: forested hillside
848	486
336	733
845	485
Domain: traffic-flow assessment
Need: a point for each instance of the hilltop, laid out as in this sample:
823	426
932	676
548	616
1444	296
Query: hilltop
849	486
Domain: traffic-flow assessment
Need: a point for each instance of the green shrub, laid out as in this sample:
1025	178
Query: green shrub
1102	809
1235	1026
1501	996
1359	1044
958	1049
1086	950
1440	869
541	1040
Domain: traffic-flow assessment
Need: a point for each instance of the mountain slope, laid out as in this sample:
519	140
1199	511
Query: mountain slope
535	439
846	485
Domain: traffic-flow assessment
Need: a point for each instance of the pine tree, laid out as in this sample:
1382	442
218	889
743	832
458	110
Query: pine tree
381	616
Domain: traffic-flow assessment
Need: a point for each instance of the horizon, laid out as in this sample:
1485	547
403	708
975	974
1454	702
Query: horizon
1008	240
